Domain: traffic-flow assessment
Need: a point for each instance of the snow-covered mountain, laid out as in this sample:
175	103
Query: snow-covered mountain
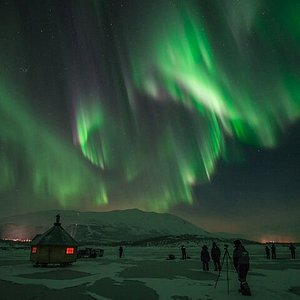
119	225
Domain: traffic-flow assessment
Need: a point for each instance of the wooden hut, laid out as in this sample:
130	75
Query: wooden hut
55	246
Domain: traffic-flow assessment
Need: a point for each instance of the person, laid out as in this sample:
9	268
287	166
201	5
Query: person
273	250
241	264
293	251
267	252
183	252
121	251
205	258
215	256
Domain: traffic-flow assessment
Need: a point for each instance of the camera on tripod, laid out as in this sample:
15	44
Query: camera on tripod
227	260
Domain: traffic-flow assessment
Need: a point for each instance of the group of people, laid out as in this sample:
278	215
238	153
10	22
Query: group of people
240	256
240	261
215	255
273	251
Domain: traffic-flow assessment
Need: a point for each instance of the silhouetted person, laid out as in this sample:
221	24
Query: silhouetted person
183	252
273	250
121	250
267	252
205	258
293	251
241	264
215	256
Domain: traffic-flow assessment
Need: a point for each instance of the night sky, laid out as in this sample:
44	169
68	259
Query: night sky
188	107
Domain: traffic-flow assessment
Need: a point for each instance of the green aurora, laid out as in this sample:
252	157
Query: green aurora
56	170
151	92
178	61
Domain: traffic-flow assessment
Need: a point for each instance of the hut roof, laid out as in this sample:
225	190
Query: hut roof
55	236
34	239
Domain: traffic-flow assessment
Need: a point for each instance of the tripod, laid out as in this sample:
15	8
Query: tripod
226	258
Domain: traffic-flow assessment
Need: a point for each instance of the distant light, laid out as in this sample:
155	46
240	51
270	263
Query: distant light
70	250
17	240
34	250
280	239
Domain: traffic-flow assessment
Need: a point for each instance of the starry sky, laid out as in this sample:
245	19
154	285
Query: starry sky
188	107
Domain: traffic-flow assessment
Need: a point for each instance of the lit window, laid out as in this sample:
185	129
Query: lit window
70	251
34	250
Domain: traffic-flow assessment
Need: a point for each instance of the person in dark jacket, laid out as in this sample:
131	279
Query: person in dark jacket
183	252
121	250
215	256
293	251
273	250
205	258
241	264
267	252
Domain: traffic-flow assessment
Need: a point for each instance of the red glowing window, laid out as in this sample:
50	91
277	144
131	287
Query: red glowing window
70	251
34	250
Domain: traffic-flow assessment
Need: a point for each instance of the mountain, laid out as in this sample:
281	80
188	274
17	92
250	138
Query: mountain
228	235
101	227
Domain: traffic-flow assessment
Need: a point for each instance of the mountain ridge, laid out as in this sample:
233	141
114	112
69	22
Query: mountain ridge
116	225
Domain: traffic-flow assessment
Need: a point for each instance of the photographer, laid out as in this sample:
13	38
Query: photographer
205	258
241	264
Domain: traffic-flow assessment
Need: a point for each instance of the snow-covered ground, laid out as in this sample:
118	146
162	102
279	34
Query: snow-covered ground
144	273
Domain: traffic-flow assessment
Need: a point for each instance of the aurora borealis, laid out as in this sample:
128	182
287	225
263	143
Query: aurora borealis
190	107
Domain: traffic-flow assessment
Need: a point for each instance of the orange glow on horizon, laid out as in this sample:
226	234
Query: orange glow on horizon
277	239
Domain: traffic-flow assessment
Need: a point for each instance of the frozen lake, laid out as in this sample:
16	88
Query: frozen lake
144	273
